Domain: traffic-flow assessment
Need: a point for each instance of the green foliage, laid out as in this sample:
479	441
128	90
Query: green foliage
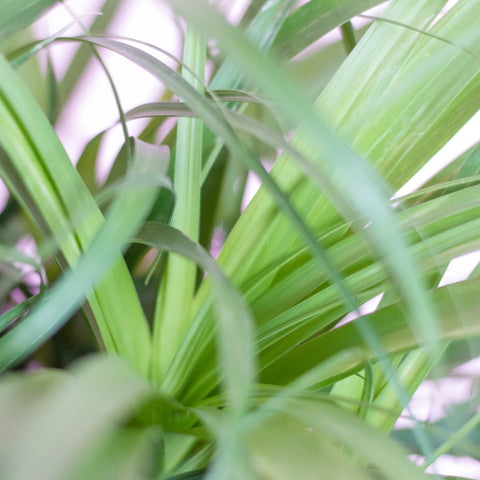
18	14
240	367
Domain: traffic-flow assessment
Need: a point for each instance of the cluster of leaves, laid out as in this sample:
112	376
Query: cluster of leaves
247	371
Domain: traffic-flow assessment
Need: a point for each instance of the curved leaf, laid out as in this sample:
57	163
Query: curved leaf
313	20
37	170
392	330
236	332
124	218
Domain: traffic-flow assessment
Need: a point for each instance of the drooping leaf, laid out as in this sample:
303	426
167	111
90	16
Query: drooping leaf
235	341
125	217
217	123
84	54
37	170
360	187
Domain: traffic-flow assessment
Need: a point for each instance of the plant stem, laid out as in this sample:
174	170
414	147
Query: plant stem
172	314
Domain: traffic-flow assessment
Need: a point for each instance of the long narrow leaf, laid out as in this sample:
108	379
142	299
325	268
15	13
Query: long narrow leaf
173	308
236	332
217	123
36	168
313	20
390	327
66	296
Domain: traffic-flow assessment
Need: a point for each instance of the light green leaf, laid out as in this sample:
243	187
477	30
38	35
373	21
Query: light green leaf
24	53
175	294
87	162
359	186
212	118
328	426
65	417
124	218
235	336
37	170
391	329
18	14
313	20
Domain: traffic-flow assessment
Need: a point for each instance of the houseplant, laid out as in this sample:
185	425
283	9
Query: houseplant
244	373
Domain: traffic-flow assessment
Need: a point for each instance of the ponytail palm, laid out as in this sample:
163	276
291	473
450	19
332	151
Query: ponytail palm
251	370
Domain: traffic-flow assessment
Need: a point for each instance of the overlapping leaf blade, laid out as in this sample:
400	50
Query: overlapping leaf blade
40	173
66	296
